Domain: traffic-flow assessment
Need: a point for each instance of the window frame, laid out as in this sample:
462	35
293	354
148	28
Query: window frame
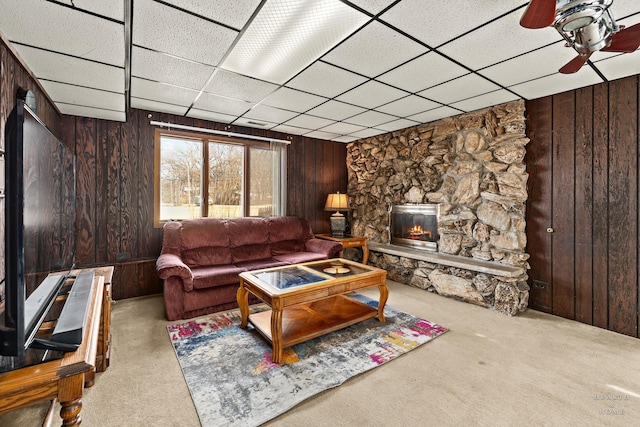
204	139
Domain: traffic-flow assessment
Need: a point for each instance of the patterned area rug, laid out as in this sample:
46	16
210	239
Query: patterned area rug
233	381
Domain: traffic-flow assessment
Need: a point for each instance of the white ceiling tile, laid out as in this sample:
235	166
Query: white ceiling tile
620	66
286	36
623	8
397	124
293	130
533	65
408	106
336	110
345	139
113	9
164	68
321	135
293	100
68	69
423	72
371	94
367	133
163	28
271	114
374	50
371	118
223	105
435	22
485	100
97	113
161	107
232	85
373	6
498	41
162	92
77	95
435	114
210	115
342	128
63	29
326	80
234	13
557	83
309	122
461	88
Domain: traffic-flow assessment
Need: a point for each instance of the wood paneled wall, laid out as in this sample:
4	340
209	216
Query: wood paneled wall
584	178
115	191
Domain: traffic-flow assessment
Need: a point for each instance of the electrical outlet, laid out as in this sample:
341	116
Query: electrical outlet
540	285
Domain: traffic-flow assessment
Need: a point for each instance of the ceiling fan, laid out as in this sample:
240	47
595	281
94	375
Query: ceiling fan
586	25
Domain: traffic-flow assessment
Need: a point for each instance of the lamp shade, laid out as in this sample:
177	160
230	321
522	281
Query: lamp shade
337	202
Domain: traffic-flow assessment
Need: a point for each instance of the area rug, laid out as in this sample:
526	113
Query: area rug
233	381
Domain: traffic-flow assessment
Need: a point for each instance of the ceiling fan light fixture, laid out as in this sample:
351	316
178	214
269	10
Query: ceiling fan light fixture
587	26
578	23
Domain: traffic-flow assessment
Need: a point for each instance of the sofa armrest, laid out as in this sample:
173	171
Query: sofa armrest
325	247
169	265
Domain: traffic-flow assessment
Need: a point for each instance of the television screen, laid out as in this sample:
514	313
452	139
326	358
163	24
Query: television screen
40	217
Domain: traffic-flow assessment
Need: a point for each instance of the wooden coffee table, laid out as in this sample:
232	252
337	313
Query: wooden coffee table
308	300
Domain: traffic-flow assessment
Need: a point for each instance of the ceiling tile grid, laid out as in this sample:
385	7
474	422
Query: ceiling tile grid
357	68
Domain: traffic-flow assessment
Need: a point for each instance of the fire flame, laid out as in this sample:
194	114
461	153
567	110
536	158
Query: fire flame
417	232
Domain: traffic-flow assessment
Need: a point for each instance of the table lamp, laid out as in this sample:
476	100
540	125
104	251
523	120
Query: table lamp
337	202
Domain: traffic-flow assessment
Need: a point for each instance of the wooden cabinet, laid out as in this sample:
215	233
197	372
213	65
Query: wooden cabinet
63	378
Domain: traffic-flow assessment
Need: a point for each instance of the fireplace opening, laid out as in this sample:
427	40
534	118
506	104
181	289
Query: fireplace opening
415	225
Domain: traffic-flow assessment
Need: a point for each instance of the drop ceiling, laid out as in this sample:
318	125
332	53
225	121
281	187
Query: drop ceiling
365	67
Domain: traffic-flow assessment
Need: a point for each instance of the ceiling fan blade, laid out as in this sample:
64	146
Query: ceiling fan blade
575	64
539	14
626	40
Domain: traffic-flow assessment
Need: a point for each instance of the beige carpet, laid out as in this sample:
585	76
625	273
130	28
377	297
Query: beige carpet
488	370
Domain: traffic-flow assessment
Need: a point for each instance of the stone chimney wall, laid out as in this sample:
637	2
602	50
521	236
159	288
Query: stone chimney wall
473	166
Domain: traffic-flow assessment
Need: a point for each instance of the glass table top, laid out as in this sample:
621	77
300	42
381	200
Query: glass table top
305	274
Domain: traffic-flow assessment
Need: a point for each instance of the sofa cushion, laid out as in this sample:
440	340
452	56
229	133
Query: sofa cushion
258	264
250	253
209	255
283	228
247	231
203	232
209	277
286	247
298	257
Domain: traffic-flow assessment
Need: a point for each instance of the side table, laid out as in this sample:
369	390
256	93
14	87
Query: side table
349	242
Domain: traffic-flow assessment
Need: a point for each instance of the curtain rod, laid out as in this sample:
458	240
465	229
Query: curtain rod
218	132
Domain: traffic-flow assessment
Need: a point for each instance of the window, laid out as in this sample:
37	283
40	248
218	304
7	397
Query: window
201	176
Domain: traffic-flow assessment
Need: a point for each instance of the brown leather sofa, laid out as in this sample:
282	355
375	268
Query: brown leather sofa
202	258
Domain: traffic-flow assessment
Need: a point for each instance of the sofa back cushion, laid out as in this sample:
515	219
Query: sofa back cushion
287	228
287	247
210	255
249	239
205	241
203	232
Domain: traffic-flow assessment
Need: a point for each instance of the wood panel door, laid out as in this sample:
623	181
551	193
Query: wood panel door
582	213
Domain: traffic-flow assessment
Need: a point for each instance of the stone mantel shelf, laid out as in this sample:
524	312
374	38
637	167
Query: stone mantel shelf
467	263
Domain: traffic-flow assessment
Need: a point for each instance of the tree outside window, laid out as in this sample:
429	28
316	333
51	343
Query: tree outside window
239	182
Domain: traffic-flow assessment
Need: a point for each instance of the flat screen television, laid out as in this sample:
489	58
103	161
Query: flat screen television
40	215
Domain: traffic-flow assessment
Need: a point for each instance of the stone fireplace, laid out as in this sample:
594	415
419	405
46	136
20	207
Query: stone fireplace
415	225
472	167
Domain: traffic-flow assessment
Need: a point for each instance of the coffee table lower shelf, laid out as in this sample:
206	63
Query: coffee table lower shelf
304	322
